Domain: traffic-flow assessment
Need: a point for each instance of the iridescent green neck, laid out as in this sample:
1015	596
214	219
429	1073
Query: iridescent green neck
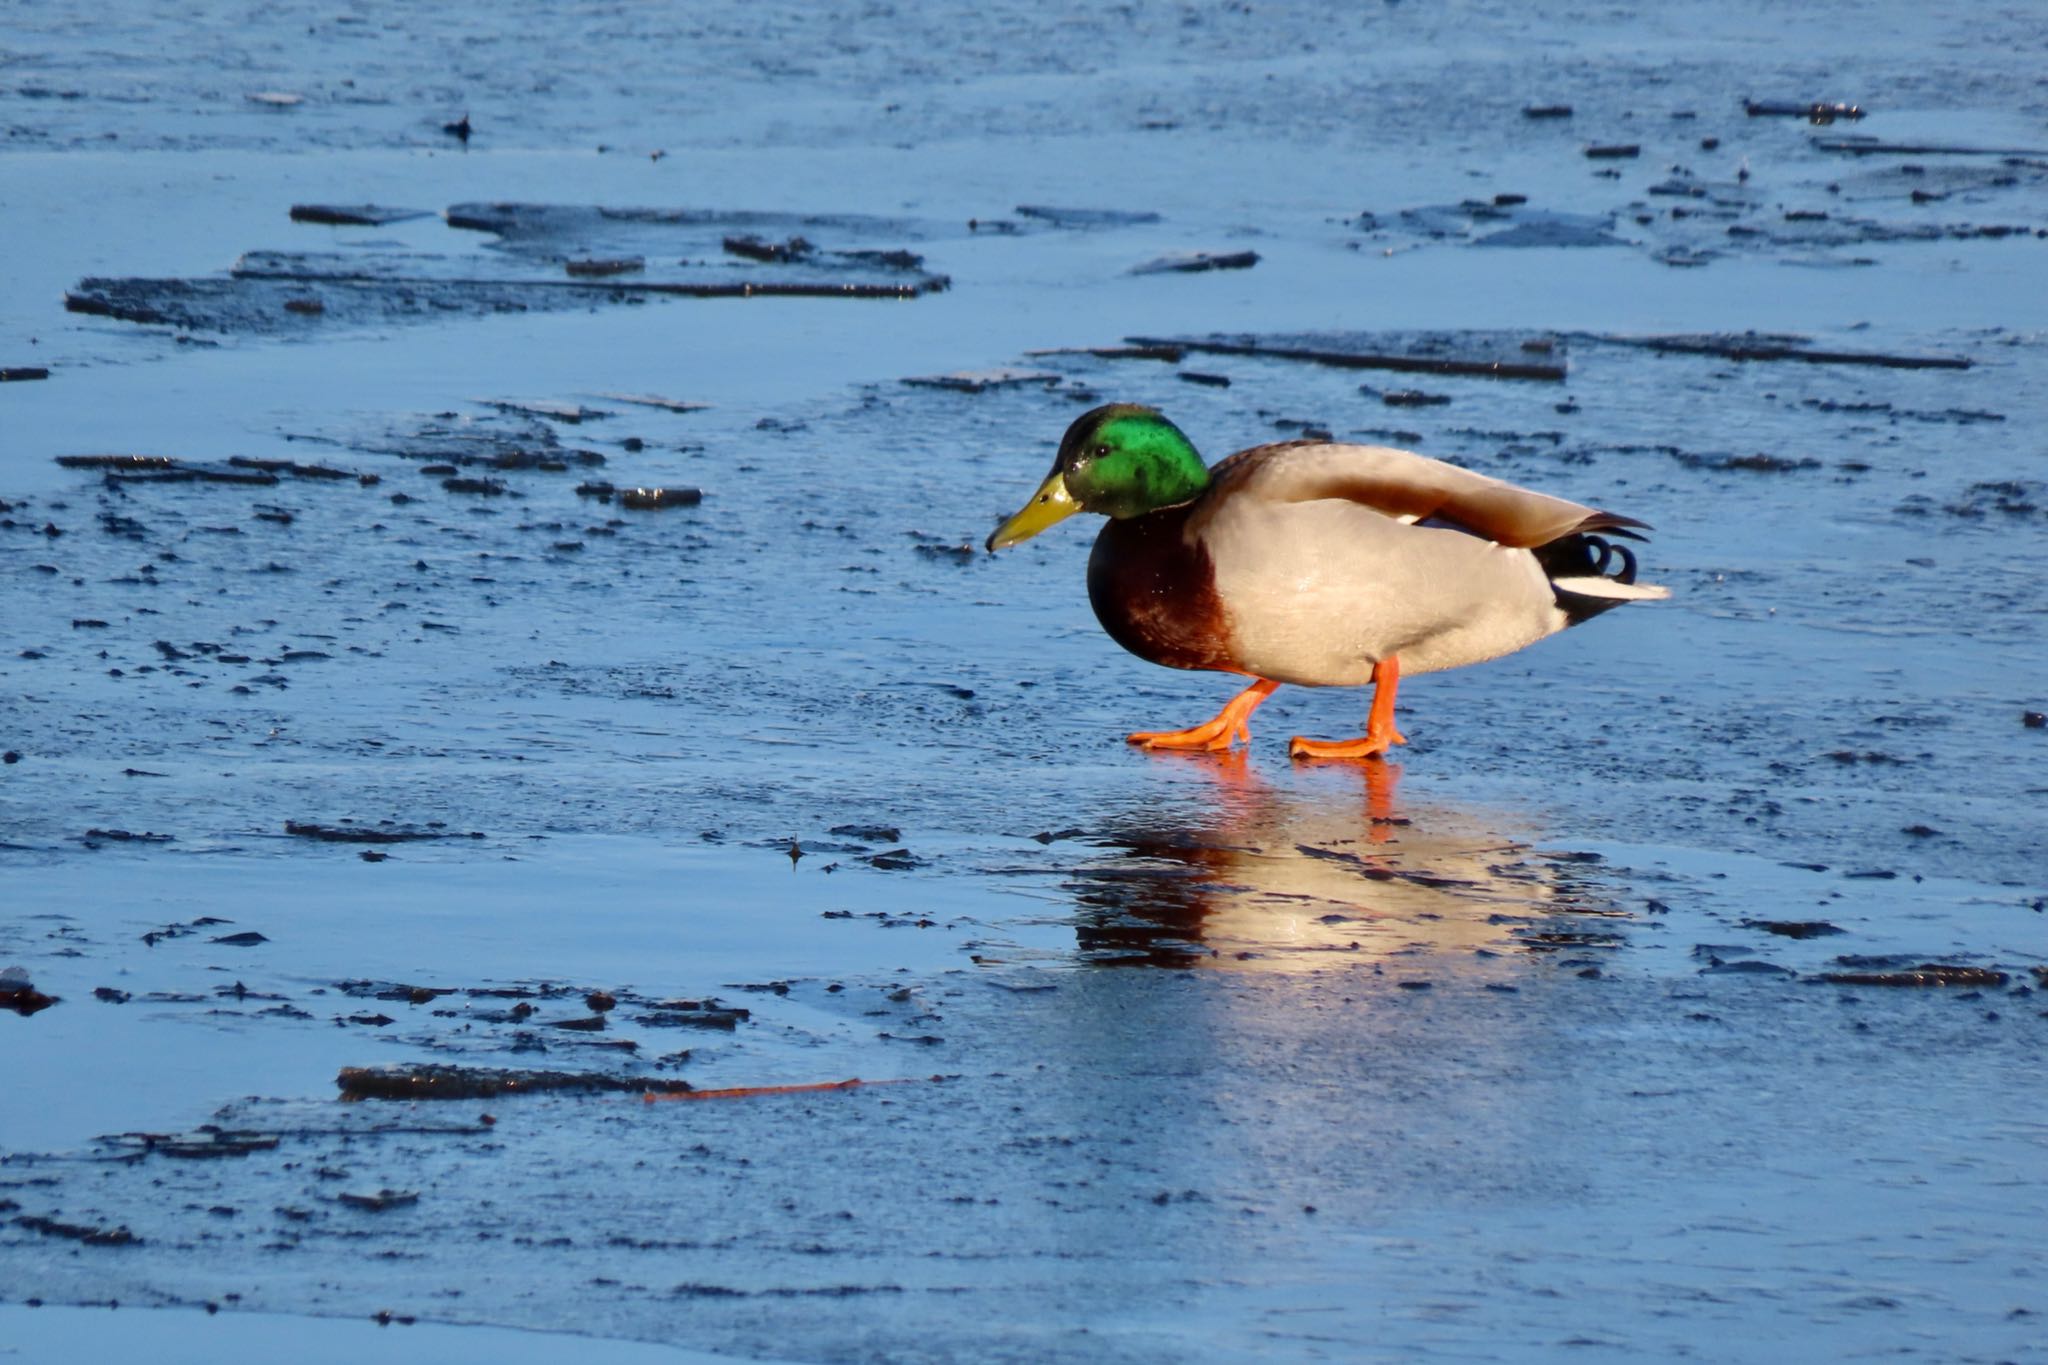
1125	460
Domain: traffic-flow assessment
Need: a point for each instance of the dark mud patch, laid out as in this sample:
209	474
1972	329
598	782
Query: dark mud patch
545	257
1757	463
21	997
1874	146
1086	218
640	499
354	215
1890	413
1744	966
541	1017
209	1142
1197	262
573	414
1693	218
312	295
1817	112
1411	398
981	381
872	834
830	252
1765	346
1794	928
802	249
831	1291
226	1146
84	1233
96	836
236	469
384	832
376	1201
1883	972
1171	355
1493	355
164	469
603	267
2015	498
705	1014
652	400
895	860
550	230
1556	940
438	1082
760	249
182	930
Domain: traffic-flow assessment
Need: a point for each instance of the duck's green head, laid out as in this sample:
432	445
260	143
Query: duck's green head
1119	461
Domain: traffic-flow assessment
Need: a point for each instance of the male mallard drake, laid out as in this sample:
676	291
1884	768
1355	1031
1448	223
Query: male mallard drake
1319	564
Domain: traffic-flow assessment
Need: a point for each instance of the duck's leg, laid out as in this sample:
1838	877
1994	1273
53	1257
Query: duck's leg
1380	734
1220	733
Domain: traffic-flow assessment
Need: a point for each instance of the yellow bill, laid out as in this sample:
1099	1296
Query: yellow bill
1050	505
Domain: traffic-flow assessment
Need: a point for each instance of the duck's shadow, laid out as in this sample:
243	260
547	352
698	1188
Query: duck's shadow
1324	867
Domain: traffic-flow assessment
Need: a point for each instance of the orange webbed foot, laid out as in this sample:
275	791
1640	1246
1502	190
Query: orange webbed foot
1225	730
1215	737
1381	734
1366	746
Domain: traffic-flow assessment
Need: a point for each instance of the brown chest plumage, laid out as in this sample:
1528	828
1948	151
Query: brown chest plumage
1156	595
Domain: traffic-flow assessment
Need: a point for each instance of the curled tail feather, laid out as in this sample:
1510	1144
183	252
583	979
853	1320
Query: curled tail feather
1590	574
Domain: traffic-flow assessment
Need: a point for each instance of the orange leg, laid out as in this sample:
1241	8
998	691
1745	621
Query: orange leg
1380	734
1220	733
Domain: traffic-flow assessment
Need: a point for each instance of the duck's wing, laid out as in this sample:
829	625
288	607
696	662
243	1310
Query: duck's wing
1405	486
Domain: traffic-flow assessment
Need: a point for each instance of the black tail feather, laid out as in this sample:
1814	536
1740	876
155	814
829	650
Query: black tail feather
1585	555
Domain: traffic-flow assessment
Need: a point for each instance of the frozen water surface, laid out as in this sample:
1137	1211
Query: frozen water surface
1674	993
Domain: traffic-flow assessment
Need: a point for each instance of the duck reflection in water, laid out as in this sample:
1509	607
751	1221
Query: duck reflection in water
1299	877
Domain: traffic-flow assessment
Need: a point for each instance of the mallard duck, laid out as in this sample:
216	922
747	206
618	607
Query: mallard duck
1319	564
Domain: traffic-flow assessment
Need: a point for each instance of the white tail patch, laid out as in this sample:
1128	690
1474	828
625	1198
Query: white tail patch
1593	586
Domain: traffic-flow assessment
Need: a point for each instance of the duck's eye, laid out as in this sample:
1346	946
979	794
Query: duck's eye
1100	452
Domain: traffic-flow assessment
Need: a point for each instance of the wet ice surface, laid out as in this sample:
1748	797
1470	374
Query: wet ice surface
1504	1049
